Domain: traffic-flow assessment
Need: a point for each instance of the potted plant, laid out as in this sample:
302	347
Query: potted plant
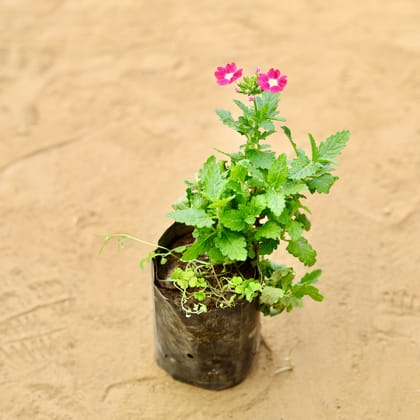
211	272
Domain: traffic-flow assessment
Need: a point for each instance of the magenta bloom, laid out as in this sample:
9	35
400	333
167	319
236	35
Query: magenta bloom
272	81
228	74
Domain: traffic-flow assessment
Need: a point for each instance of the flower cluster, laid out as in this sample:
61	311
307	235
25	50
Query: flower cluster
272	81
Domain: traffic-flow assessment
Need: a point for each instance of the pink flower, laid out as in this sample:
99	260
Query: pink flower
228	74
251	98
272	81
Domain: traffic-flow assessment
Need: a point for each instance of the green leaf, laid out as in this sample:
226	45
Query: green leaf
294	229
233	219
269	230
235	281
275	202
293	188
258	204
198	202
196	249
242	106
268	126
179	249
277	174
284	217
183	278
312	277
307	289
251	289
212	179
232	245
333	146
226	118
238	173
267	246
267	104
192	217
257	178
234	187
315	151
200	295
260	159
301	167
288	133
220	203
302	250
254	208
322	184
214	254
301	218
271	295
181	203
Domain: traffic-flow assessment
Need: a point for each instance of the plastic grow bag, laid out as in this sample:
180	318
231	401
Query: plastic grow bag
214	350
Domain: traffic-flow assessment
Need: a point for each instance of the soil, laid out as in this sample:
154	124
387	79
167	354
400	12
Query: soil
178	235
106	107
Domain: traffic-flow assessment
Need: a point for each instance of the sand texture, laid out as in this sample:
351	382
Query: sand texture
107	106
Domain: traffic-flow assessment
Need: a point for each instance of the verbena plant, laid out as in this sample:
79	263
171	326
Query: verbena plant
243	206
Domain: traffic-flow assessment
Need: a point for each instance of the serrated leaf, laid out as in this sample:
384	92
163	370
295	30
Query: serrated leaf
308	290
303	251
211	178
220	203
214	254
234	187
277	173
200	295
242	106
271	295
181	203
256	176
260	159
293	188
198	202
226	118
275	202
294	229
269	230
312	277
268	126
258	204
233	219
284	217
287	279
267	246
301	167
302	218
322	184
196	249
267	104
192	217
333	146
238	173
232	245
252	288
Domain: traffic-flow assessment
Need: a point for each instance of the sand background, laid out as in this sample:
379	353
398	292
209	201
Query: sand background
106	107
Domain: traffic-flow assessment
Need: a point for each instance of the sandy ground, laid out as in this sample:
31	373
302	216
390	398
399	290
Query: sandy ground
106	107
